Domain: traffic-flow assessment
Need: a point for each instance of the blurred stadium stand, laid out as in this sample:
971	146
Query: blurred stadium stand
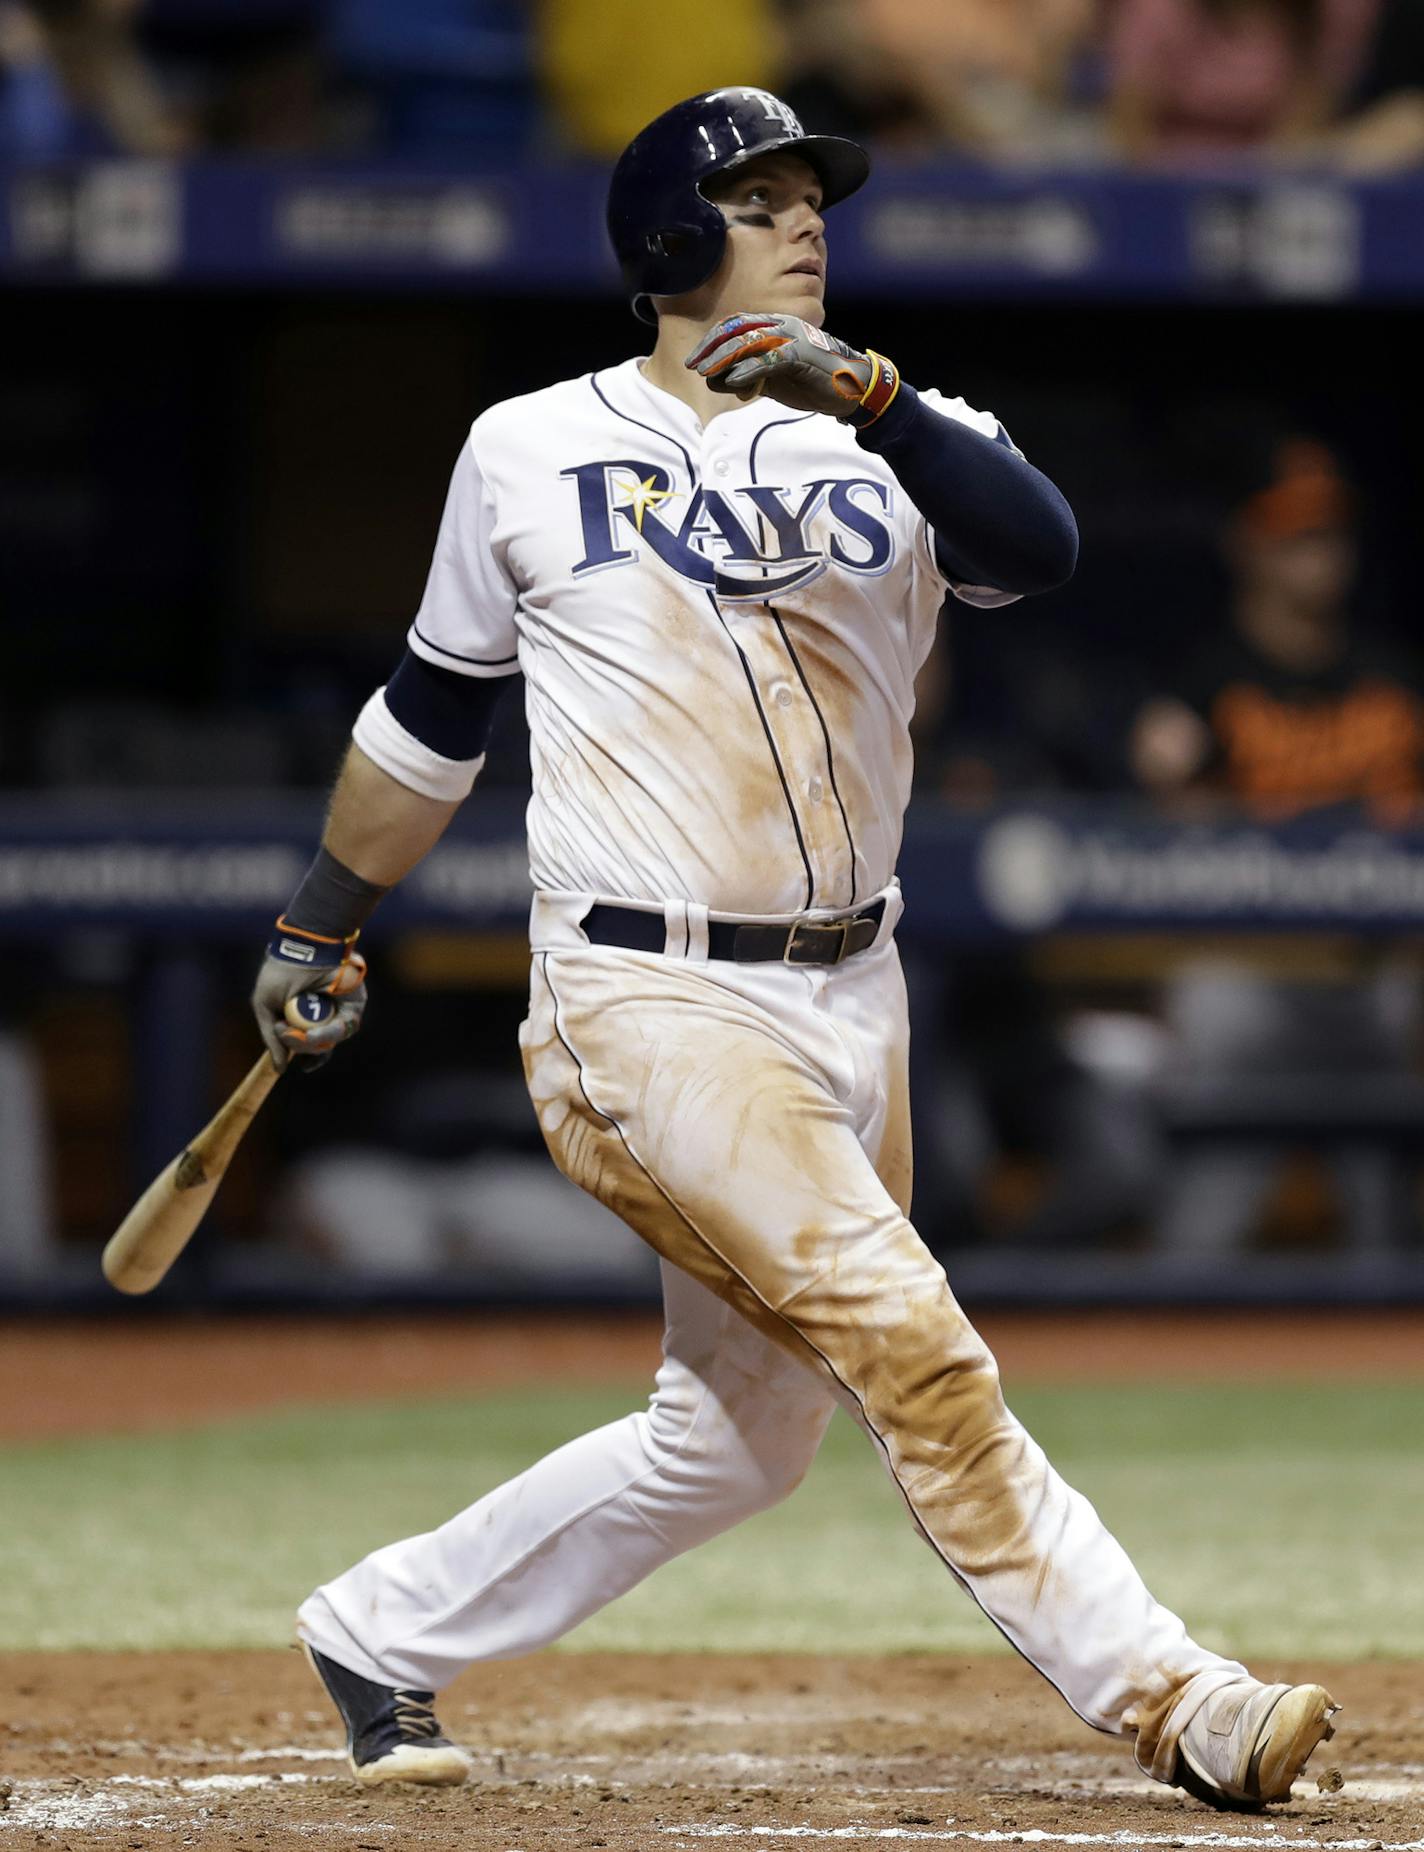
264	259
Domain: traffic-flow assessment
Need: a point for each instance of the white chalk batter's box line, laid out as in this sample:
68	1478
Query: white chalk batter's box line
1126	1839
126	1802
1064	1774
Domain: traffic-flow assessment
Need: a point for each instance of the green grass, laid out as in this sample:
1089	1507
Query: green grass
1280	1520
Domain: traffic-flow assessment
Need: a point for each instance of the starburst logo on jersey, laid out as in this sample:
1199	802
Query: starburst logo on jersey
751	543
645	496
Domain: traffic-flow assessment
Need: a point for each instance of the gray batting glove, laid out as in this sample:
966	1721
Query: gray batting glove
786	358
319	982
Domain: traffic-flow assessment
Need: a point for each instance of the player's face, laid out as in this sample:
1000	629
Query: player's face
775	258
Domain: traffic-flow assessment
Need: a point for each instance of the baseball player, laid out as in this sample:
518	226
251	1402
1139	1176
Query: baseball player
718	569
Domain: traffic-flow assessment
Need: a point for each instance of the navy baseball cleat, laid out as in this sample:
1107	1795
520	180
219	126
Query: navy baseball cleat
391	1733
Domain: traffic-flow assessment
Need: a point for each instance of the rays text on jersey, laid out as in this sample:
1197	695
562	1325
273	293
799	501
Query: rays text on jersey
754	542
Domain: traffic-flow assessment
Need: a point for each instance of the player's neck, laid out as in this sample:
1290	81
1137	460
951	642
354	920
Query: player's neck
677	336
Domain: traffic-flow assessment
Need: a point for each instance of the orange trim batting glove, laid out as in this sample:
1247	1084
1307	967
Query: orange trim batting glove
797	365
299	963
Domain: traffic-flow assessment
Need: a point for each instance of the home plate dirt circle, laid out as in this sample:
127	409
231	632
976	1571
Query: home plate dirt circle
237	1750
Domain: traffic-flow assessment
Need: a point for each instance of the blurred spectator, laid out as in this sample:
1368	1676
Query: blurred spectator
37	120
1194	78
1294	711
1007	79
248	72
1000	78
451	75
841	80
75	83
1384	127
608	68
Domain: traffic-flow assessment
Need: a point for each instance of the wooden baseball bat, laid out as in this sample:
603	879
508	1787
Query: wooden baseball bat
162	1222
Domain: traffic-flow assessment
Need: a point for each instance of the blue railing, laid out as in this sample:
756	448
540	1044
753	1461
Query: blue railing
1232	234
181	880
164	867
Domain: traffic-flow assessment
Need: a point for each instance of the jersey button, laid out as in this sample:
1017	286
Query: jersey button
721	466
781	694
817	790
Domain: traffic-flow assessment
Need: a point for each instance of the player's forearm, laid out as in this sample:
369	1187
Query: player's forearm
378	827
417	747
997	520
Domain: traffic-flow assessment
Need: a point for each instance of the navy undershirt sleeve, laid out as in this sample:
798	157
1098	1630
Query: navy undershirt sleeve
446	711
997	521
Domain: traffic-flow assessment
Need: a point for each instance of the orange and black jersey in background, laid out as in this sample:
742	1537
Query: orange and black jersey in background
1286	742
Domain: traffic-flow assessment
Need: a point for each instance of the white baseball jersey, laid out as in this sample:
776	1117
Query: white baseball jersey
719	629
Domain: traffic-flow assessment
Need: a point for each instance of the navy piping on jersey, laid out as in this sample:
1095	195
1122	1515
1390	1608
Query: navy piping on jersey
741	655
482	662
771	748
666	436
876	1439
771	426
776	617
826	736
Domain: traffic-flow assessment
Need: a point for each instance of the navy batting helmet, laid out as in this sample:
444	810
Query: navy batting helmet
667	234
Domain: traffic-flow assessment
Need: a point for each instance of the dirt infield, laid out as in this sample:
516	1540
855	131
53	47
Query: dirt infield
67	1377
236	1751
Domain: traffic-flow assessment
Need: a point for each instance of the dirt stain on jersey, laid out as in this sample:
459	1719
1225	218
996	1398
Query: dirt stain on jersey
838	690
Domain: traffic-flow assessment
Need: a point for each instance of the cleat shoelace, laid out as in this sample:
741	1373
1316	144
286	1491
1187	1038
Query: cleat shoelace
413	1713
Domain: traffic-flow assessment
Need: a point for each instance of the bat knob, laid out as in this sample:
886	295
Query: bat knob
308	1009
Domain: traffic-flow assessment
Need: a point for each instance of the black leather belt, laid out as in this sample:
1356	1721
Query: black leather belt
806	942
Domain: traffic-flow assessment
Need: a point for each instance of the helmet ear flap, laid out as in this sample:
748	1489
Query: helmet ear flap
679	254
670	241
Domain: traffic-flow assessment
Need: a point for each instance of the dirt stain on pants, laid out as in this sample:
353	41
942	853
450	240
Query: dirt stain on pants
751	1124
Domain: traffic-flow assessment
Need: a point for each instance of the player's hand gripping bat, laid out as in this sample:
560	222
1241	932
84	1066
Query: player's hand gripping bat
163	1220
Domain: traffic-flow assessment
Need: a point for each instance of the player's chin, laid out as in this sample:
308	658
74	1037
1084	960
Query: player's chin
804	295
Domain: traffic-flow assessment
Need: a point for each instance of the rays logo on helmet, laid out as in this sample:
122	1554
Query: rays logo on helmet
776	111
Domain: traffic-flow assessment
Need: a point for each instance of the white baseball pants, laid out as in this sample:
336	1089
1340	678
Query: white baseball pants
751	1122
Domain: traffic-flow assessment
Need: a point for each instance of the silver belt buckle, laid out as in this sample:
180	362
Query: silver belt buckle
811	929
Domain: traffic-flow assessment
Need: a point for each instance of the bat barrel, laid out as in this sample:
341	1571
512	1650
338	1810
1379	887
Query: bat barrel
163	1220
